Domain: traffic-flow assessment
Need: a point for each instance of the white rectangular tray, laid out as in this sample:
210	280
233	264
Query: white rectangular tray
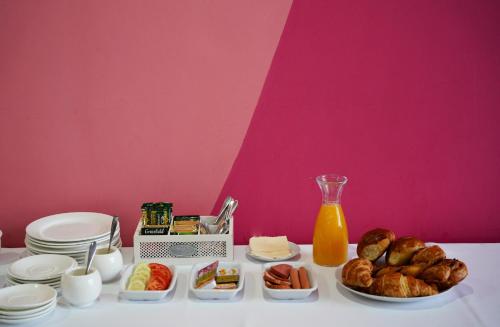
184	249
145	295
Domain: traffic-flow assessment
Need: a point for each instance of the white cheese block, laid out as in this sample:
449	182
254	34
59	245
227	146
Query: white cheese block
269	247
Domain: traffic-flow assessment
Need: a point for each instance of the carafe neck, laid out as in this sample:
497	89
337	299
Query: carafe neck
331	186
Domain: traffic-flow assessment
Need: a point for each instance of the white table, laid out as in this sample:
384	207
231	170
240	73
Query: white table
474	302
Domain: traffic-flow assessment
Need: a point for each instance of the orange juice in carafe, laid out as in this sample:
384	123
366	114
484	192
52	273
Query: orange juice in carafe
330	237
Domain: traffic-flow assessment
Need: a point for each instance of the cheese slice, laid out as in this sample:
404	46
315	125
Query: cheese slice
269	247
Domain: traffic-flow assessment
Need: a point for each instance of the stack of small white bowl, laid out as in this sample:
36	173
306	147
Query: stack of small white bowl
24	303
40	269
70	234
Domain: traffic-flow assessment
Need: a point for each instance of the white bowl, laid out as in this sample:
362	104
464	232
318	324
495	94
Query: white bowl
145	295
212	294
109	264
26	297
79	289
291	294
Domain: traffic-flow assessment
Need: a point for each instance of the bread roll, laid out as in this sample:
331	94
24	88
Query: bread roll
428	256
357	273
436	274
374	243
402	250
458	271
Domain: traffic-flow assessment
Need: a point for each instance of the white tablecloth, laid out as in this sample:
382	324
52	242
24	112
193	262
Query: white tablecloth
474	302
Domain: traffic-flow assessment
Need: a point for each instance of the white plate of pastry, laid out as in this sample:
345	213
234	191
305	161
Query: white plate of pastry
413	270
393	299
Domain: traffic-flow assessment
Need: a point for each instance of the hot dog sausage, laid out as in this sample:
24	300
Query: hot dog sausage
304	279
294	276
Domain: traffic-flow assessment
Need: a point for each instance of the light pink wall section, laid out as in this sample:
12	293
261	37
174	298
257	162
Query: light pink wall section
107	104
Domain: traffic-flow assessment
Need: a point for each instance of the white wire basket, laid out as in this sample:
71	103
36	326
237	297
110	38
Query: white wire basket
183	249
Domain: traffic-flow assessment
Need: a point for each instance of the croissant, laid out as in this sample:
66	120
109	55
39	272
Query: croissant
358	273
457	274
374	243
401	251
420	288
412	270
399	285
428	256
436	274
387	270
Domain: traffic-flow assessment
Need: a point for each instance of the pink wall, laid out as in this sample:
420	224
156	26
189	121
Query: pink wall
400	96
107	104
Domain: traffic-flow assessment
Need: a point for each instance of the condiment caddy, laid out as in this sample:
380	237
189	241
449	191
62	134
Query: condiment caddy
163	237
184	249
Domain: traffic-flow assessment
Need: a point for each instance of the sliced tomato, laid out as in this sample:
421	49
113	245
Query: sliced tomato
161	271
154	266
157	283
166	275
165	272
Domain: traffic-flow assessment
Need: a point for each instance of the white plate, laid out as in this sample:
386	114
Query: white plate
26	296
28	318
212	294
392	299
72	253
145	295
31	281
294	250
68	249
291	294
12	282
65	245
77	256
72	243
70	227
40	267
22	313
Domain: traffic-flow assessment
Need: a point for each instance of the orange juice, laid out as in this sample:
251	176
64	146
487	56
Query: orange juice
330	238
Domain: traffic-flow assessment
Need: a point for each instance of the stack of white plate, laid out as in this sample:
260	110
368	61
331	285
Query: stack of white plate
70	234
40	269
24	303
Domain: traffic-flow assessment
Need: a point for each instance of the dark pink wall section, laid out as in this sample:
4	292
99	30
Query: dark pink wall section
402	97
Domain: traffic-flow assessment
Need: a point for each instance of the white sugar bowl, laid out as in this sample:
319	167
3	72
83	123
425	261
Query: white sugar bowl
81	289
109	264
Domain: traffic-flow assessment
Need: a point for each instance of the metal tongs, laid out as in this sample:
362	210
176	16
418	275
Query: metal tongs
226	212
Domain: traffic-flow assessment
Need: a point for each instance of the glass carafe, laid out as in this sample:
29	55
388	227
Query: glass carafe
330	238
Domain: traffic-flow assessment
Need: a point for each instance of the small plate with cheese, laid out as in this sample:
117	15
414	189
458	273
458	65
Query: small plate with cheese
272	249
